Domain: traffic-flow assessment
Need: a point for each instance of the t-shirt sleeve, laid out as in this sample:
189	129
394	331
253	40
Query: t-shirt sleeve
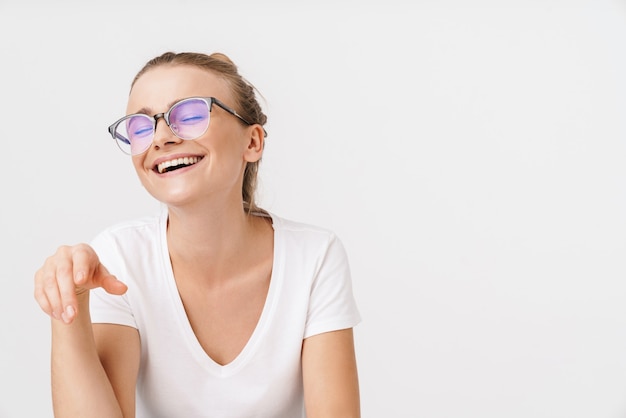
332	305
105	307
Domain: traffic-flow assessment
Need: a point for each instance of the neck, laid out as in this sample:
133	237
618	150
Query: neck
210	238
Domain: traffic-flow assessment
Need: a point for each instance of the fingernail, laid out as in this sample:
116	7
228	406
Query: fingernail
55	315
68	315
79	277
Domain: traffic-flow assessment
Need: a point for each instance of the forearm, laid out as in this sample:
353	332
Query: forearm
80	386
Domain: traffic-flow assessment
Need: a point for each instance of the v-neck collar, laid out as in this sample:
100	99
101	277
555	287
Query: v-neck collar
203	359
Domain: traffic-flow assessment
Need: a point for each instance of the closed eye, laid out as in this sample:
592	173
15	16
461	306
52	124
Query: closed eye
192	119
142	132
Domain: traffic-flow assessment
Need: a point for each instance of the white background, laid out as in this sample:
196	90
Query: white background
470	154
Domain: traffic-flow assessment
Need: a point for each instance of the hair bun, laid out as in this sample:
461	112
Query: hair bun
222	57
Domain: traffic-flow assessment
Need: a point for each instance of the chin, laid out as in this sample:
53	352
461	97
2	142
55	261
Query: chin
172	197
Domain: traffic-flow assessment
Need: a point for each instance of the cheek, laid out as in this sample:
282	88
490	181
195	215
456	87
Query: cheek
223	149
138	162
138	165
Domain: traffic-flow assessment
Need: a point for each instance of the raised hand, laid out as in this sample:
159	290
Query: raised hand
68	275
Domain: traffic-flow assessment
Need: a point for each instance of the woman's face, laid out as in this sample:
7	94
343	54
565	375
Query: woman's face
216	160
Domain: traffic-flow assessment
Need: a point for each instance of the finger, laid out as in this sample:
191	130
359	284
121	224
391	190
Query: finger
85	262
66	289
50	290
109	282
114	286
40	295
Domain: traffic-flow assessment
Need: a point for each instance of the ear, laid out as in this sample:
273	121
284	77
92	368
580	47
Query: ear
256	142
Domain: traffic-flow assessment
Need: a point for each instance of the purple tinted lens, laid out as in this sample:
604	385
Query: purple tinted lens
140	131
190	118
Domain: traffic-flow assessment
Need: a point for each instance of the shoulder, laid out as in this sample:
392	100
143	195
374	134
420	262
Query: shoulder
132	250
312	241
144	225
130	233
301	230
297	227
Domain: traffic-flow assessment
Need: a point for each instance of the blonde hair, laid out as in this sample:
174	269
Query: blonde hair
246	103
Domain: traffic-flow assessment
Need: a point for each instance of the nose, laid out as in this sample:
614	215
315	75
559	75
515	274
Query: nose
163	135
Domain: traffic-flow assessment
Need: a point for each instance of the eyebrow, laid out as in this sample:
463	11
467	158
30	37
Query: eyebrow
148	111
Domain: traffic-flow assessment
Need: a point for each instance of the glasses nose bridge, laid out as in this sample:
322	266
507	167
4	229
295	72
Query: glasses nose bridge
166	136
163	116
166	118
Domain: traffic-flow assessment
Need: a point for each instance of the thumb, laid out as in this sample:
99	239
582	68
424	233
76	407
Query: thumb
109	282
113	286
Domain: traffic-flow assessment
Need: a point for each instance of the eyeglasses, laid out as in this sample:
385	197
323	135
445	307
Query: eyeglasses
187	119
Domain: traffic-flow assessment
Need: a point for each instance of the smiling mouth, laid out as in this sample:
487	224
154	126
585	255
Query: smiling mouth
175	164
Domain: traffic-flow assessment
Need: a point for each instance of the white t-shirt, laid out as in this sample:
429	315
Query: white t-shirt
310	292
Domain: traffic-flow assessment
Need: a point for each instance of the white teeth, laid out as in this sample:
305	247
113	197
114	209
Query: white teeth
176	162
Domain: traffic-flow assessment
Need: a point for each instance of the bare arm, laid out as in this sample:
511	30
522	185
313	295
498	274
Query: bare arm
331	384
119	352
85	382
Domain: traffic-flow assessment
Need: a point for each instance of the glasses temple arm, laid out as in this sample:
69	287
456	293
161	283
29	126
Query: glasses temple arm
234	113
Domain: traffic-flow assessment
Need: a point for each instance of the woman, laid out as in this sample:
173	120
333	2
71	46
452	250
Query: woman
214	308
